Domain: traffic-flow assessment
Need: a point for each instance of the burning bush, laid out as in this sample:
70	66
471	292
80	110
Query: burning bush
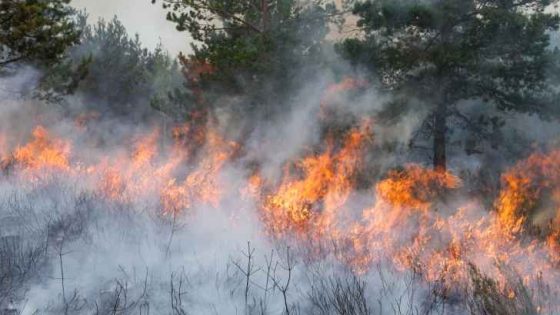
530	196
415	187
312	203
43	151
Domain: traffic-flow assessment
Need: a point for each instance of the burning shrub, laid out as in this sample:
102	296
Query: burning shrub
415	187
311	203
487	296
530	196
43	151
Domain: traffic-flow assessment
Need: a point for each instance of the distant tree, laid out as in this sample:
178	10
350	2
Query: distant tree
186	102
443	52
120	76
254	46
118	67
114	74
35	30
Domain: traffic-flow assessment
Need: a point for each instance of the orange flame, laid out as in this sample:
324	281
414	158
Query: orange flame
531	194
314	200
43	152
415	187
407	218
202	184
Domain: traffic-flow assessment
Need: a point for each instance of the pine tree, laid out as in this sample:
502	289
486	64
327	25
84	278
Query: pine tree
35	30
256	47
443	52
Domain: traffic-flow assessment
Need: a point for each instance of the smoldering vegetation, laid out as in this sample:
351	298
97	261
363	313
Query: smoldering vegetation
133	182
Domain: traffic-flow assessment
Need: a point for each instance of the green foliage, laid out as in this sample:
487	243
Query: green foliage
112	72
257	47
63	78
123	75
119	62
443	52
35	30
496	50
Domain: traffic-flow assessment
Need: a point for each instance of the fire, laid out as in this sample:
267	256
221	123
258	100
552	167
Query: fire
413	218
146	168
149	171
186	137
43	152
112	184
311	200
141	172
145	150
174	198
402	223
531	194
407	226
415	187
254	187
202	185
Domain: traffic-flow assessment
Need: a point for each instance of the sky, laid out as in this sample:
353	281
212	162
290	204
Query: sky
148	20
139	16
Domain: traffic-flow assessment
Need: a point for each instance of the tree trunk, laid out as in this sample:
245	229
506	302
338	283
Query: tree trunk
264	9
440	130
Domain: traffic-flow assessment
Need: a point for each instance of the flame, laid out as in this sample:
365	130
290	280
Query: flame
527	186
414	218
254	187
202	185
311	200
407	226
415	187
112	184
147	168
142	172
402	222
43	152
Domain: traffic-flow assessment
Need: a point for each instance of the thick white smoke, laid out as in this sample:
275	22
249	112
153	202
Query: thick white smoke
97	255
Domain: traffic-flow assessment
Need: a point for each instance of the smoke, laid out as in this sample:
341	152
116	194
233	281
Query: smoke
91	250
120	216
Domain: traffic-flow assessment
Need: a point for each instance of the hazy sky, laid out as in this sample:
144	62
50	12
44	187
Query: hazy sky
139	16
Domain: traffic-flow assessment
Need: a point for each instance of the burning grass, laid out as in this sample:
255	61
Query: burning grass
416	221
